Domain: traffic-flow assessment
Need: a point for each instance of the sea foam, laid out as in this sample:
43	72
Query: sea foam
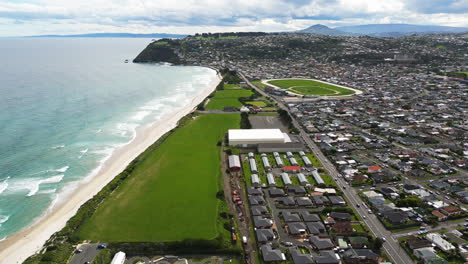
4	185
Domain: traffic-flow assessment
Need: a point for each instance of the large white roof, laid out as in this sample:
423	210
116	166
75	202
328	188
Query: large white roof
256	134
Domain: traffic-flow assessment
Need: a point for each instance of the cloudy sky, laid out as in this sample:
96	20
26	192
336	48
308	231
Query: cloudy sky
37	17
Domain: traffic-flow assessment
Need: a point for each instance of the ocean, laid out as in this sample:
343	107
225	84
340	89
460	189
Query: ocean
65	105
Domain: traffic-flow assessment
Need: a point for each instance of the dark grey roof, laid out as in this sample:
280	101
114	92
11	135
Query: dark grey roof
254	191
264	235
291	217
297	228
315	227
297	189
308	217
300	258
270	254
275	192
262	222
326	257
337	200
304	201
340	216
321	243
259	210
256	200
397	217
360	254
288	201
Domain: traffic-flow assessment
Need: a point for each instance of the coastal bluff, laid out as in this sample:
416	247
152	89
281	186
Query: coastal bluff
159	51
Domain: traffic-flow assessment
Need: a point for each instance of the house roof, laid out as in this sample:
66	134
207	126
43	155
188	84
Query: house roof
299	258
264	235
270	254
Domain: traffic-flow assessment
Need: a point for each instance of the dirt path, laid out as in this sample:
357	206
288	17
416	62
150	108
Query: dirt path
233	181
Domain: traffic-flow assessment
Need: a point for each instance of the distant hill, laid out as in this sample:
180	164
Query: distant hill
114	35
382	30
324	30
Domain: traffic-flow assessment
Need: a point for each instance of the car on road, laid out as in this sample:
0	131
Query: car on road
357	205
369	211
78	250
364	217
287	243
87	262
384	239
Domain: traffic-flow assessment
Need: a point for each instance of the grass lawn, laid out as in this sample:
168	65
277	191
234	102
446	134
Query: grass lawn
226	98
259	84
257	103
309	87
228	86
171	194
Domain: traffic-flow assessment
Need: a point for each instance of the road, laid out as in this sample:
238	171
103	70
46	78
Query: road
89	253
391	246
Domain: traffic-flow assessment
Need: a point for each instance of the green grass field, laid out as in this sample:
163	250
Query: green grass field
257	103
259	84
226	98
309	87
228	86
171	195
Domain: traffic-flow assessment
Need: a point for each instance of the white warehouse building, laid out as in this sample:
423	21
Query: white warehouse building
119	258
246	137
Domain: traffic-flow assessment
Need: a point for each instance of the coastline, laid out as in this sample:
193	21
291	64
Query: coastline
26	242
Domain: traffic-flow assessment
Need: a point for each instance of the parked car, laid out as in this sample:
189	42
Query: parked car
78	250
287	243
101	246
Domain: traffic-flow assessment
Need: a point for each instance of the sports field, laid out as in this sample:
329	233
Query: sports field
225	98
171	195
311	87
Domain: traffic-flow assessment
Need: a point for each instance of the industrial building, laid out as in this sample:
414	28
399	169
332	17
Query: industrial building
119	258
253	166
302	179
271	179
253	137
255	180
234	163
317	177
286	180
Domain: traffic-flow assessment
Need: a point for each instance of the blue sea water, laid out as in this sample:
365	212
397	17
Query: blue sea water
65	105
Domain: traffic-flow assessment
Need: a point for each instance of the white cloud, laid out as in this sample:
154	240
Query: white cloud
190	16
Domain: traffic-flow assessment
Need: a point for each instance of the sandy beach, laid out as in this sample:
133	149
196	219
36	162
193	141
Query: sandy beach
18	247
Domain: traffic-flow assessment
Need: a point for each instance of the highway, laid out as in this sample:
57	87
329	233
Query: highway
391	246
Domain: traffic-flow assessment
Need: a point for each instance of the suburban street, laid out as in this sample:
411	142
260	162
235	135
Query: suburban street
391	246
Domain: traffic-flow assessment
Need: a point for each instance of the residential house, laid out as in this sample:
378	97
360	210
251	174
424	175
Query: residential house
270	255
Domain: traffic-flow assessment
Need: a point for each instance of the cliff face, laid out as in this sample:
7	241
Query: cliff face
158	52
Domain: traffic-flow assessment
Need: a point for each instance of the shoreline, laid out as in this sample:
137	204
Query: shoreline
28	241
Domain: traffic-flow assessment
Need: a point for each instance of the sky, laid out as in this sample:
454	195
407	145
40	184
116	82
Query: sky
40	17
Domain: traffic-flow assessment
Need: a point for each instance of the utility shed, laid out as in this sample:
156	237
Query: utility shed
266	163
234	163
317	177
279	162
286	179
255	136
255	180
253	166
307	162
119	258
293	161
302	179
271	179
